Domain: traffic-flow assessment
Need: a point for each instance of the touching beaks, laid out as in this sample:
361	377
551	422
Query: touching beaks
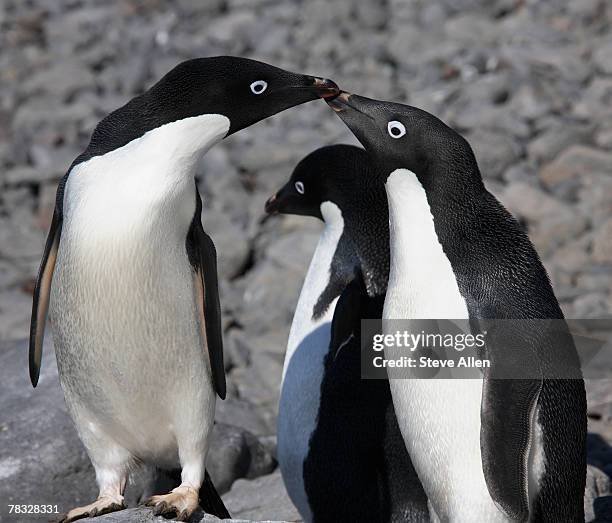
339	102
326	88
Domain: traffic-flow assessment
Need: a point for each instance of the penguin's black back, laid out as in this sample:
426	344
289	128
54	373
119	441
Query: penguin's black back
358	468
500	275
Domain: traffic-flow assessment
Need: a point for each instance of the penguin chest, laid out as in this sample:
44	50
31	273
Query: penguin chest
123	305
439	419
304	365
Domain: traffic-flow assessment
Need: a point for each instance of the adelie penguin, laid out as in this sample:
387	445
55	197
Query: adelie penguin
130	277
485	449
340	450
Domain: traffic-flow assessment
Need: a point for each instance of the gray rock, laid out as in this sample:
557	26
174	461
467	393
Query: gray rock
236	453
471	29
595	100
10	277
602	57
293	251
551	222
272	288
602	244
593	305
597	484
533	204
62	80
43	460
25	175
603	138
494	151
263	498
241	413
594	199
55	160
260	382
521	172
145	515
555	139
230	242
229	30
574	162
15	308
529	102
479	116
19	239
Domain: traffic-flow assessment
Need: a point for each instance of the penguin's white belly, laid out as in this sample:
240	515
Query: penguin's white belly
132	361
439	419
304	365
298	409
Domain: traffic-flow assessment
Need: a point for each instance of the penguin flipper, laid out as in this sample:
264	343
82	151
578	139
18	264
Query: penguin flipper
210	501
207	280
507	420
42	291
347	314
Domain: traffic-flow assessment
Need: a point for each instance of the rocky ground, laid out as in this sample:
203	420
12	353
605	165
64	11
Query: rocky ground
529	83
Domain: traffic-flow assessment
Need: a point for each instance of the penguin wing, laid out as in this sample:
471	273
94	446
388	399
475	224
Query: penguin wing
42	291
206	279
347	315
203	256
507	418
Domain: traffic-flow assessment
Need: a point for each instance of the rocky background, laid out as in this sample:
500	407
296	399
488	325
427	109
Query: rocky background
528	82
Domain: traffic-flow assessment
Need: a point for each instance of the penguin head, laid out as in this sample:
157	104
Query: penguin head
325	175
245	91
399	136
342	175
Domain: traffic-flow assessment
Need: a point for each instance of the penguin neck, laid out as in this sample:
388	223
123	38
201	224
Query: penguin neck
368	230
181	144
170	150
148	181
316	281
422	283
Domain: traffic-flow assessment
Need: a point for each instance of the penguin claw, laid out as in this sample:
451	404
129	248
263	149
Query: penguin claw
161	509
99	507
182	502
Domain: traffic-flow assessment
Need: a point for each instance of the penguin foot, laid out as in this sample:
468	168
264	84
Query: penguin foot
181	502
102	505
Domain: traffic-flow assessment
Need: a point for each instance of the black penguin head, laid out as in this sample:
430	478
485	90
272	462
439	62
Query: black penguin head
343	175
327	174
399	136
245	91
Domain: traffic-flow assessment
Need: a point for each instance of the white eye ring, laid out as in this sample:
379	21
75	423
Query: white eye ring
259	86
299	187
396	129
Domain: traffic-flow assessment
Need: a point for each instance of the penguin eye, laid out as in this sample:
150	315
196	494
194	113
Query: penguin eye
259	86
396	129
299	187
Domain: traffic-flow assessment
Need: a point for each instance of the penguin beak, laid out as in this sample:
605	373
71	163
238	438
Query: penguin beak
313	87
356	112
326	88
272	205
340	102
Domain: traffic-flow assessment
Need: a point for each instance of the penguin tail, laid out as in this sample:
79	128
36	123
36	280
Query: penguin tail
210	501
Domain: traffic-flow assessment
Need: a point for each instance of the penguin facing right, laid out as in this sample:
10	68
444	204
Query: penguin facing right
340	450
485	449
129	277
